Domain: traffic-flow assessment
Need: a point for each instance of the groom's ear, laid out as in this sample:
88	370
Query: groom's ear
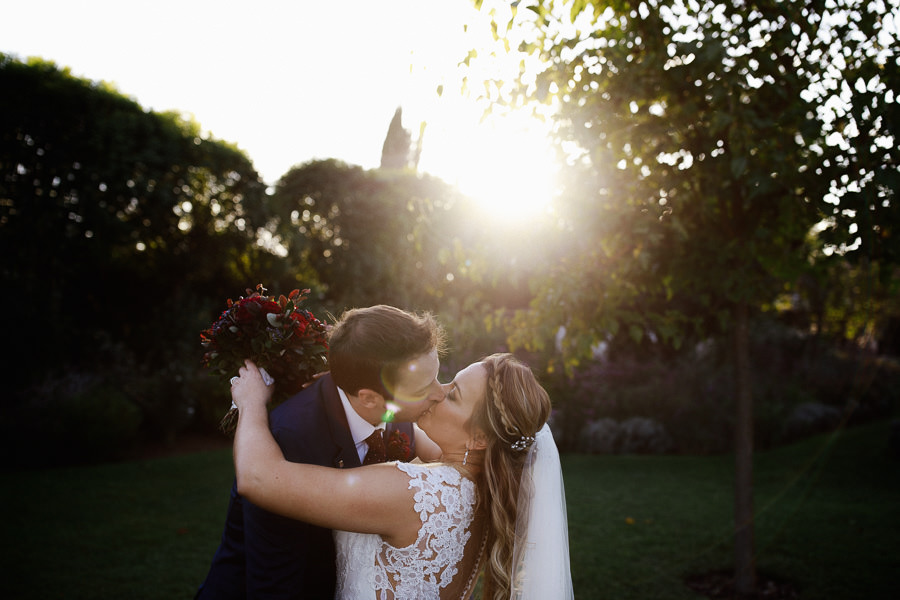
371	399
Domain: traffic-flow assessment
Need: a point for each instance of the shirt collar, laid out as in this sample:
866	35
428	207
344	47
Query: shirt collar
360	429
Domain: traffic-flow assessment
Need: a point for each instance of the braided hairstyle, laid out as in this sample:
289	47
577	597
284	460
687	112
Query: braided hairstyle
514	409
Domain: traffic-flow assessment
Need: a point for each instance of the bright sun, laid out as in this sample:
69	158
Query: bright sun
503	162
510	169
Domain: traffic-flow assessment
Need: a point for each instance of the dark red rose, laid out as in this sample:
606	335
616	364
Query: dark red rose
397	446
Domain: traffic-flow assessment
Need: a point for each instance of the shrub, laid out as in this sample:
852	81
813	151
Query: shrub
75	418
690	394
101	414
640	435
635	435
810	418
599	437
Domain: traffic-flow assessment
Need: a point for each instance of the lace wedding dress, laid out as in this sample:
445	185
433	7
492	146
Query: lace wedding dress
368	567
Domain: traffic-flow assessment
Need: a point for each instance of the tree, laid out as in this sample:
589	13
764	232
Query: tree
397	151
698	177
371	236
110	211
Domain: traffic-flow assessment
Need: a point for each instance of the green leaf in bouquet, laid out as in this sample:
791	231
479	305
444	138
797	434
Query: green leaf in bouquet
273	319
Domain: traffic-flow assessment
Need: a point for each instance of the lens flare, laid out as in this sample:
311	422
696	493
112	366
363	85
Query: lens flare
390	413
394	393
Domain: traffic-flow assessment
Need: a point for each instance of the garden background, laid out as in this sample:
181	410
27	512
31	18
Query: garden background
716	280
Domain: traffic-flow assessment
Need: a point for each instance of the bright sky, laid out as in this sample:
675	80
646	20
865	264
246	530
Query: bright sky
293	80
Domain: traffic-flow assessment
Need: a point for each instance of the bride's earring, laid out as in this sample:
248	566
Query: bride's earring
466	457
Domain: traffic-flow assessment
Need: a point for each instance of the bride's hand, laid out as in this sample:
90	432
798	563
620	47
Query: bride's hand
248	388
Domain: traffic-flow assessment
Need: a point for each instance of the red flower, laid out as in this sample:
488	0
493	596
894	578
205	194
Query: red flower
249	309
289	342
397	446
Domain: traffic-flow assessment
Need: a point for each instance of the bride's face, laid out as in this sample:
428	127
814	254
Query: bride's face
448	423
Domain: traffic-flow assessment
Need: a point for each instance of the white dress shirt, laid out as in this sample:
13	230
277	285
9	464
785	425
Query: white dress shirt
360	429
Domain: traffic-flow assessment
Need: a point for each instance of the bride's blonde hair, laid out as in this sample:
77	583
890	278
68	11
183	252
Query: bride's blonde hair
514	409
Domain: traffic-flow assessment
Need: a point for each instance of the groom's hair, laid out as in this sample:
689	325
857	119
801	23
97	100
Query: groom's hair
368	346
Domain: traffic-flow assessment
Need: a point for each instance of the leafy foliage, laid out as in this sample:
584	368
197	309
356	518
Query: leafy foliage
371	236
695	180
698	171
99	200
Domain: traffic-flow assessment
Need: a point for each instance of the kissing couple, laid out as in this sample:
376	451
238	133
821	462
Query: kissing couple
473	486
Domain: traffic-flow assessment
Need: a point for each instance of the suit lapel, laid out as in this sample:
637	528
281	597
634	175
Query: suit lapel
345	457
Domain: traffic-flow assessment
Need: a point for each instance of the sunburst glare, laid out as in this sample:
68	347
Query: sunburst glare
503	162
510	173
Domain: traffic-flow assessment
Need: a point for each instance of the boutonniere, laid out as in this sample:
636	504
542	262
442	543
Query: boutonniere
397	446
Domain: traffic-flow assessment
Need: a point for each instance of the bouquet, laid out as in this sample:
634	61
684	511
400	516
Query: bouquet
288	343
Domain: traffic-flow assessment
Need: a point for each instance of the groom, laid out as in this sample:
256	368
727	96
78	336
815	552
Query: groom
376	355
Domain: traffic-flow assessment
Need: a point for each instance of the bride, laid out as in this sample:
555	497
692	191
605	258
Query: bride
494	502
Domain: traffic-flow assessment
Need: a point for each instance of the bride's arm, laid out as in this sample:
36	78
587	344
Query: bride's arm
373	499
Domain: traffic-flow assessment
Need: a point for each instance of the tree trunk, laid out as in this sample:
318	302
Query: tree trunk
744	568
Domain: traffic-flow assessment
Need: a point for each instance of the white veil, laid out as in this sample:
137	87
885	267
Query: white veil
541	551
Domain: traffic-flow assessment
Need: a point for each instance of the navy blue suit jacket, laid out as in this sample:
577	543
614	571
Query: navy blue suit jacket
265	556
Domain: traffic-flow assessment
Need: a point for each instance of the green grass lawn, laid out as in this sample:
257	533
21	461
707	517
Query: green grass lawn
828	520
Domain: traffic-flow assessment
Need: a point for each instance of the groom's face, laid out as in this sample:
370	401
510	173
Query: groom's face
417	387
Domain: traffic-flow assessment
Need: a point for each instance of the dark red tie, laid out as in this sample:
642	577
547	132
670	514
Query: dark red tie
376	453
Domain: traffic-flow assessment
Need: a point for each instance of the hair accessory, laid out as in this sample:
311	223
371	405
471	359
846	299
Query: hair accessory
523	442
